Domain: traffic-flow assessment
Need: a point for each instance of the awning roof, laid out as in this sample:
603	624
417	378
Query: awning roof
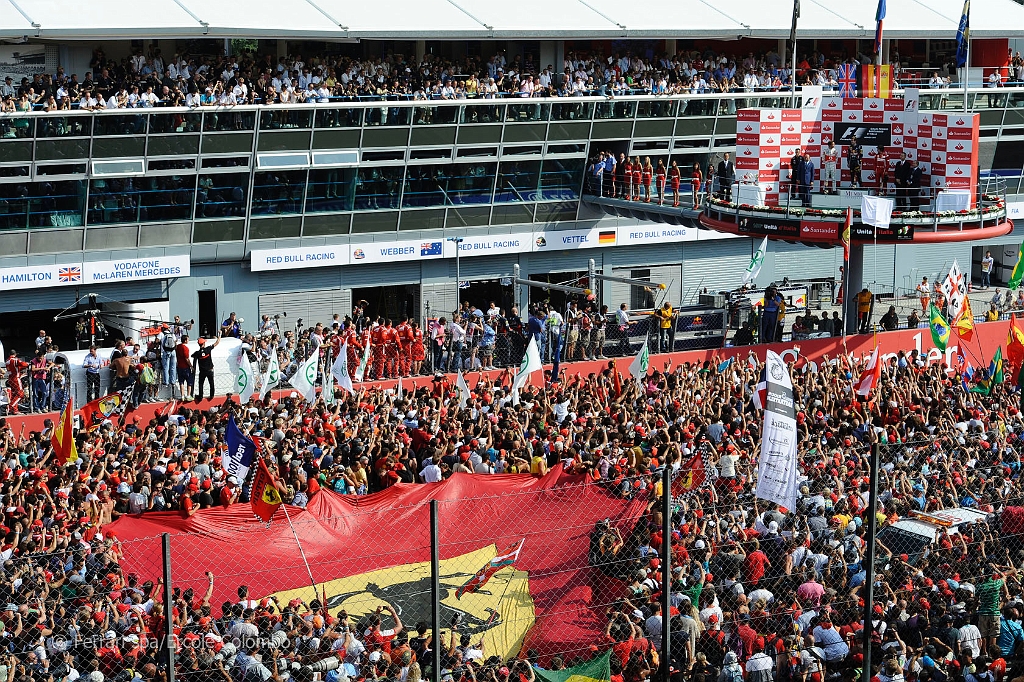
482	19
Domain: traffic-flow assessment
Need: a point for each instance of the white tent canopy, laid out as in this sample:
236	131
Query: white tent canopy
480	19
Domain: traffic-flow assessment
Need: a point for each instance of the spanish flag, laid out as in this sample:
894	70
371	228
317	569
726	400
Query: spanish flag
939	326
265	497
63	440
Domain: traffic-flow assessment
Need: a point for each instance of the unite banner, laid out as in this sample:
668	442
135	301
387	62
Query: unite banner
777	463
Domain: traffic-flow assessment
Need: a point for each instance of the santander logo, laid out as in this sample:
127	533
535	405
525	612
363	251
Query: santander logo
852	117
769	165
832	105
959	147
771	117
747	152
960	121
924	119
897	142
894	117
873	105
748	128
790	128
771	140
910	131
938	133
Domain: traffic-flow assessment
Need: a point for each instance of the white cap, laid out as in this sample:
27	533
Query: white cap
699	544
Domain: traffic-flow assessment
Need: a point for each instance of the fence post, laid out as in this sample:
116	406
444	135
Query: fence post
435	592
869	557
666	572
168	606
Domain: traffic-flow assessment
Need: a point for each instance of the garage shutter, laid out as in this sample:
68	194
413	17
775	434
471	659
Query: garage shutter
879	266
311	306
57	298
798	262
715	266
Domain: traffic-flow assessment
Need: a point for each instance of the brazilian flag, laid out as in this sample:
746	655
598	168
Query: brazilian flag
995	375
1018	270
595	670
939	326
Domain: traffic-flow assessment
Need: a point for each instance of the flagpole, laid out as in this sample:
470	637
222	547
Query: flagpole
792	79
302	552
967	68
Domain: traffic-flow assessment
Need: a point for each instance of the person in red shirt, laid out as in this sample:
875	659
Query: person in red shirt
405	338
392	347
648	175
376	639
183	359
418	351
355	348
660	174
229	493
638	171
882	171
109	655
755	564
627	169
695	181
14	369
378	343
674	179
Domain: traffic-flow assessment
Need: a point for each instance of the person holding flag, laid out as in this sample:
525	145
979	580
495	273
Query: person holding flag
754	269
63	441
531	363
304	379
939	327
638	368
266	492
272	377
871	375
339	370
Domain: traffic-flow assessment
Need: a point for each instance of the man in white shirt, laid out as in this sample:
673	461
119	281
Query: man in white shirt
431	472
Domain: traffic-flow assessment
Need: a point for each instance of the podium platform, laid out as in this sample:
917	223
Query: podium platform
848	197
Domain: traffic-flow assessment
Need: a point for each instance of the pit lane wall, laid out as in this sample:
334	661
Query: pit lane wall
987	337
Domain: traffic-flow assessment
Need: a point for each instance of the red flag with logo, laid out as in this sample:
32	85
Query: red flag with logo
690	477
265	497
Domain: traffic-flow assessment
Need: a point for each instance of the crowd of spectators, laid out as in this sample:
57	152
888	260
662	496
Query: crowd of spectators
150	78
759	594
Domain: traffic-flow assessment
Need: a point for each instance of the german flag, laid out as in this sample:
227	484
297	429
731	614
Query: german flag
606	237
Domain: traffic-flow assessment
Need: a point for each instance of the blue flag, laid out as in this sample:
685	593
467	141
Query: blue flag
963	36
724	365
241	452
879	19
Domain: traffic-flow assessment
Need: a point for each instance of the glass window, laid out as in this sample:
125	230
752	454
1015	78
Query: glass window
572	111
274	118
388	116
483	113
166	197
339	117
282	160
660	108
113	200
42	204
330	189
616	109
221	195
336	158
49	126
180	122
120	124
226	119
278	192
528	111
378	188
119	167
434	115
448	184
517	181
561	179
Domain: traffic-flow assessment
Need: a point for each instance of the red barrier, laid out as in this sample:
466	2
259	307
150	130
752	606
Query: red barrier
987	337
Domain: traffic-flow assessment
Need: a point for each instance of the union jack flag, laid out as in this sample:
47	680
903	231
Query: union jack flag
71	274
847	77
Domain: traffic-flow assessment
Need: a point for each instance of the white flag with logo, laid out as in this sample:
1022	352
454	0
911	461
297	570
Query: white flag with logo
954	288
463	388
245	380
363	362
876	211
777	462
272	377
531	363
638	368
754	269
400	390
339	370
304	380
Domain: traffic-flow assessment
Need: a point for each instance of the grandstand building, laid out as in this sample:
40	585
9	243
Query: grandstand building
302	208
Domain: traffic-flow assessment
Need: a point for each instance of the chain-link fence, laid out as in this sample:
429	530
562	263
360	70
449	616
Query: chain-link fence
467	585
